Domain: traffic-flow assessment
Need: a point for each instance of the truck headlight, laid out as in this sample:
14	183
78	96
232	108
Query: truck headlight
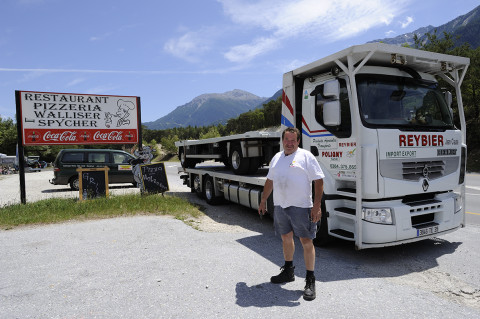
377	215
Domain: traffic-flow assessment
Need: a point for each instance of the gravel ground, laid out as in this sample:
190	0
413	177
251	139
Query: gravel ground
158	267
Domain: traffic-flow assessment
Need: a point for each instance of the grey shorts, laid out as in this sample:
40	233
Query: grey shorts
294	219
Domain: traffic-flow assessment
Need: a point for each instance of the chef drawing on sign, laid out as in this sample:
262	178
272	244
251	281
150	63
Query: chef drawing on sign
123	113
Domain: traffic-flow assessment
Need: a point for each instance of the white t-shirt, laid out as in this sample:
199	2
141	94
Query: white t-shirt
292	178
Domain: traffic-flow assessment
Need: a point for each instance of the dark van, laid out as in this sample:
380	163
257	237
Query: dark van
68	160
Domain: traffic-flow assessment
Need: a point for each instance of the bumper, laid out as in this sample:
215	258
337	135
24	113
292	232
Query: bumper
415	222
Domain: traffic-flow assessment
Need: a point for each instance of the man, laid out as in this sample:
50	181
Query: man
290	177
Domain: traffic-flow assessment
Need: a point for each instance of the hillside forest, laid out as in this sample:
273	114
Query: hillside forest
269	115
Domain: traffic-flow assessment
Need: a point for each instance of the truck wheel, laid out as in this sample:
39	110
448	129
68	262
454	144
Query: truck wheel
322	238
197	186
74	183
240	164
209	191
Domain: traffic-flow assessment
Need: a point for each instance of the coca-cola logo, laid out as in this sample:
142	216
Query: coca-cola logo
110	136
33	136
66	136
85	136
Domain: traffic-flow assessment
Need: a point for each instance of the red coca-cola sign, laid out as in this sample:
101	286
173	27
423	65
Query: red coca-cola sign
66	118
52	137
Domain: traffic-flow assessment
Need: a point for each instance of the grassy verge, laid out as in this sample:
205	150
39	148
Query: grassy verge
57	210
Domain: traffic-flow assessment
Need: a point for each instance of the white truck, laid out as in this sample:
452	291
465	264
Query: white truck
384	133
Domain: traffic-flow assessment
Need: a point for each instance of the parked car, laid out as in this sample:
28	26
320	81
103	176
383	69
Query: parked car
68	160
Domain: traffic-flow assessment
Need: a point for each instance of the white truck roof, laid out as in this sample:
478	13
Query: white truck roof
382	55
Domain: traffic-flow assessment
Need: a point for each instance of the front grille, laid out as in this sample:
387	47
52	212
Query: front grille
413	171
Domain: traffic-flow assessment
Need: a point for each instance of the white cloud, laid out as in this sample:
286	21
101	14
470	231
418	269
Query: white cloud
407	22
246	52
191	44
390	33
321	19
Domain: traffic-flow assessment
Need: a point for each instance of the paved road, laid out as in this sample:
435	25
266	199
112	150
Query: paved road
472	190
157	267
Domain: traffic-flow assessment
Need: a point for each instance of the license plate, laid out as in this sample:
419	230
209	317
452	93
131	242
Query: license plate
427	231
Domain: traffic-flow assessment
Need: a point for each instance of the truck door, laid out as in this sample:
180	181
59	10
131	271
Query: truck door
333	145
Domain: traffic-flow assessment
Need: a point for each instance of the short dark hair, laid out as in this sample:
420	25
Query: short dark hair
292	130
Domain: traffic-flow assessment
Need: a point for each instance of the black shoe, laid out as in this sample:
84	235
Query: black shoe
286	275
309	291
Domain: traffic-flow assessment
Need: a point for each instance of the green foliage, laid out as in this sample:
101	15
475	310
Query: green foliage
8	136
168	143
470	89
212	132
56	210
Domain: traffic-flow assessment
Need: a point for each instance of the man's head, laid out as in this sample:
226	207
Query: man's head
290	140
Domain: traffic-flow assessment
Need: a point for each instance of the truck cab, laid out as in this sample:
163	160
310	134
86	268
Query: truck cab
384	133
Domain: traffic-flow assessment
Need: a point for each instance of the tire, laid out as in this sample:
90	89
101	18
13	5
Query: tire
209	191
197	186
74	183
240	164
322	238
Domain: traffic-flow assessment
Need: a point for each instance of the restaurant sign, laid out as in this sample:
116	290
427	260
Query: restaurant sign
66	118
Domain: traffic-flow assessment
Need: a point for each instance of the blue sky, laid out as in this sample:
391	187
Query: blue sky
168	52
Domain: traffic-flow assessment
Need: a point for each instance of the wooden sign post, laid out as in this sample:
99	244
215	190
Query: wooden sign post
93	182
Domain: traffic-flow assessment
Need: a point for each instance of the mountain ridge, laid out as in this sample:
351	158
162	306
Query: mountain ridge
208	109
466	27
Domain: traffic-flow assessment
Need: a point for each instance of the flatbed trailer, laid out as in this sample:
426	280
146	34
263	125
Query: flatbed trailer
218	183
244	153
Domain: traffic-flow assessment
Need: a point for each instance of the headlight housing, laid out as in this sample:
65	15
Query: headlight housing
377	215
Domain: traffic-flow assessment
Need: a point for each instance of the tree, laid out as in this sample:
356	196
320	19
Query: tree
470	88
212	132
8	136
168	144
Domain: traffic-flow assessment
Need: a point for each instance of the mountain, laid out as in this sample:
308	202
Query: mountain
273	97
465	27
208	109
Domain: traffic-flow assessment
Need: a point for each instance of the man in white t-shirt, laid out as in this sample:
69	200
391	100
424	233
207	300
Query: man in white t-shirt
290	177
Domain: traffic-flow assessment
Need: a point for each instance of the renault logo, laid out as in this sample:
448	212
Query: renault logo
425	185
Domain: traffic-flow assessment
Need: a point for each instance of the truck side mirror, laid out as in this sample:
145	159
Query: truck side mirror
331	113
331	89
449	100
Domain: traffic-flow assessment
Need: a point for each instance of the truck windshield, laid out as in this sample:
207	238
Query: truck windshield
400	102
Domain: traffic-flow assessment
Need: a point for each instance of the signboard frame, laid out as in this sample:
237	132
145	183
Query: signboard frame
50	118
82	189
